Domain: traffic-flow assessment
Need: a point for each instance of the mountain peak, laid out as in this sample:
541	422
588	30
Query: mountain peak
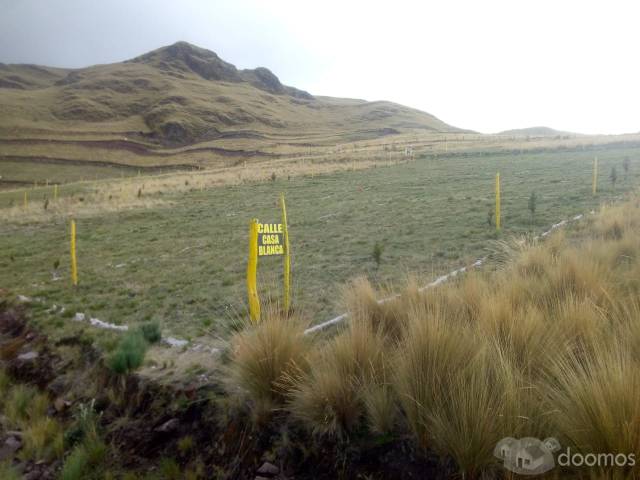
183	58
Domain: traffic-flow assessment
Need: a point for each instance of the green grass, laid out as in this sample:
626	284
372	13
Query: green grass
181	264
8	472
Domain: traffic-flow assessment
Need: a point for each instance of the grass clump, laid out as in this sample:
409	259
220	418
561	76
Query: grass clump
328	400
89	449
83	458
266	357
151	332
8	472
24	404
129	354
43	439
596	394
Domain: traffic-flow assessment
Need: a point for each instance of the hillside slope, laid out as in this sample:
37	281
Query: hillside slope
181	94
536	132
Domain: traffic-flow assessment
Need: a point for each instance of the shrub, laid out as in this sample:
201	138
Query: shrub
129	355
151	332
376	254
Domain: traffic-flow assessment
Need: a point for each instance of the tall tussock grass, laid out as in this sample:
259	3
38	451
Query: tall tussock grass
330	399
545	344
266	359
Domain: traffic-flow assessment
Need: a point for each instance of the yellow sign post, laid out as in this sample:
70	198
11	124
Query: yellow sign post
252	273
498	201
594	187
74	261
270	239
287	257
55	192
26	199
267	240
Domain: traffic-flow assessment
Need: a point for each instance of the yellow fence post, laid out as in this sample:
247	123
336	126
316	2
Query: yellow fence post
594	187
252	273
26	199
287	257
55	192
74	261
498	201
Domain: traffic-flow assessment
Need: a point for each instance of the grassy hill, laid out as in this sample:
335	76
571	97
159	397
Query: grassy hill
175	106
536	132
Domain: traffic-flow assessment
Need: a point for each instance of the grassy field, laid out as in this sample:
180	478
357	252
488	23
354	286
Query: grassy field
182	262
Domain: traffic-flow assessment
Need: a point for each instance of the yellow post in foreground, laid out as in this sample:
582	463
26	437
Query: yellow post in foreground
498	201
287	257
74	261
26	199
55	192
252	273
594	187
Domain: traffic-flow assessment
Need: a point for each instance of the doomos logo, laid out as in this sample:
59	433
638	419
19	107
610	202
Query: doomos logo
530	456
527	456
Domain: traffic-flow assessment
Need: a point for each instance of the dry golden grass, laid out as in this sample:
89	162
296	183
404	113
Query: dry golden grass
544	345
266	358
93	198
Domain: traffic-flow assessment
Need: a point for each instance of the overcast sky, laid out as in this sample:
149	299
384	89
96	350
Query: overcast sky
485	65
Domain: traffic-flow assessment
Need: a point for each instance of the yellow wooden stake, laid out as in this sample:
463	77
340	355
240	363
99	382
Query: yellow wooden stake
287	257
74	261
26	199
55	192
252	273
594	187
498	201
